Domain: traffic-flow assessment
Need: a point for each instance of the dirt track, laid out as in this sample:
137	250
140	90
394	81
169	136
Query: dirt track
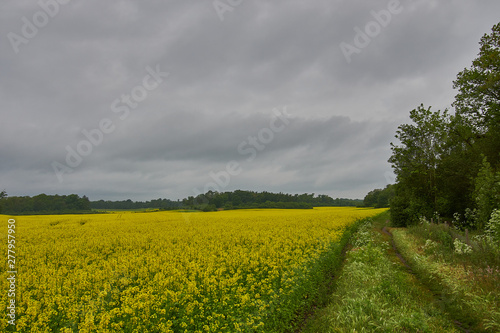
384	230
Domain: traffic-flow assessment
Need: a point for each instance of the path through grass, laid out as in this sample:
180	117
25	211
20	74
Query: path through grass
375	292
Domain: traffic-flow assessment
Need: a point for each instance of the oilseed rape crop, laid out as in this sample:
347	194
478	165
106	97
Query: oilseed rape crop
227	271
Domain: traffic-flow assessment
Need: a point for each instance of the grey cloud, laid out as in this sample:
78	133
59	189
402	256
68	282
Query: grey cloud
225	79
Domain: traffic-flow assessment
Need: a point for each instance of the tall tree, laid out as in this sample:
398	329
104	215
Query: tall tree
477	103
439	163
486	193
3	194
415	161
476	124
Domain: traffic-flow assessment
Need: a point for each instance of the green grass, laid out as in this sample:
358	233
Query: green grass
321	281
376	293
469	283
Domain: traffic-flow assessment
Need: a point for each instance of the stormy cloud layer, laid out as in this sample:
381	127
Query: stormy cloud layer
140	100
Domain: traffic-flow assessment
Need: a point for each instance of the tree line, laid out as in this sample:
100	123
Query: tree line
163	204
43	204
448	164
249	199
210	201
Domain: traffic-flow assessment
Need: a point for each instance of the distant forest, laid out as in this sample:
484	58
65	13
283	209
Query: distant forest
210	201
164	204
44	204
249	199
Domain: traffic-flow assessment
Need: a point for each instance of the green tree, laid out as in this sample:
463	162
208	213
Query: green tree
477	103
379	198
385	197
371	198
475	130
415	161
439	163
3	194
486	193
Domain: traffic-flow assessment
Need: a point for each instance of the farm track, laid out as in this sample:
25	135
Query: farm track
403	262
396	252
323	319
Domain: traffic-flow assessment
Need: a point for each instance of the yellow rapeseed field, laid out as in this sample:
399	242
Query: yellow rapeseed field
228	271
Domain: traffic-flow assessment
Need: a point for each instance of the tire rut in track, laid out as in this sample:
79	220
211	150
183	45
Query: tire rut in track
384	230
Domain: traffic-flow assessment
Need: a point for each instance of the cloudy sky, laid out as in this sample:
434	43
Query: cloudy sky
148	99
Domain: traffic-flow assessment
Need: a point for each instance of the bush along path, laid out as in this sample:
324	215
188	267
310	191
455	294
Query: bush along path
376	292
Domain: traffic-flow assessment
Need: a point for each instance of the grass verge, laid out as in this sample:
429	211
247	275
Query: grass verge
375	292
464	272
321	283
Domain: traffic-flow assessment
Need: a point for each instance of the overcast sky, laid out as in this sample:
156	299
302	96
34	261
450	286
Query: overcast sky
148	99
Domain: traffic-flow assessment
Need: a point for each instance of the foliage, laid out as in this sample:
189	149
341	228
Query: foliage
440	162
45	204
487	193
248	199
160	203
210	201
415	162
400	214
3	194
229	271
407	207
478	101
461	247
379	198
493	227
430	246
